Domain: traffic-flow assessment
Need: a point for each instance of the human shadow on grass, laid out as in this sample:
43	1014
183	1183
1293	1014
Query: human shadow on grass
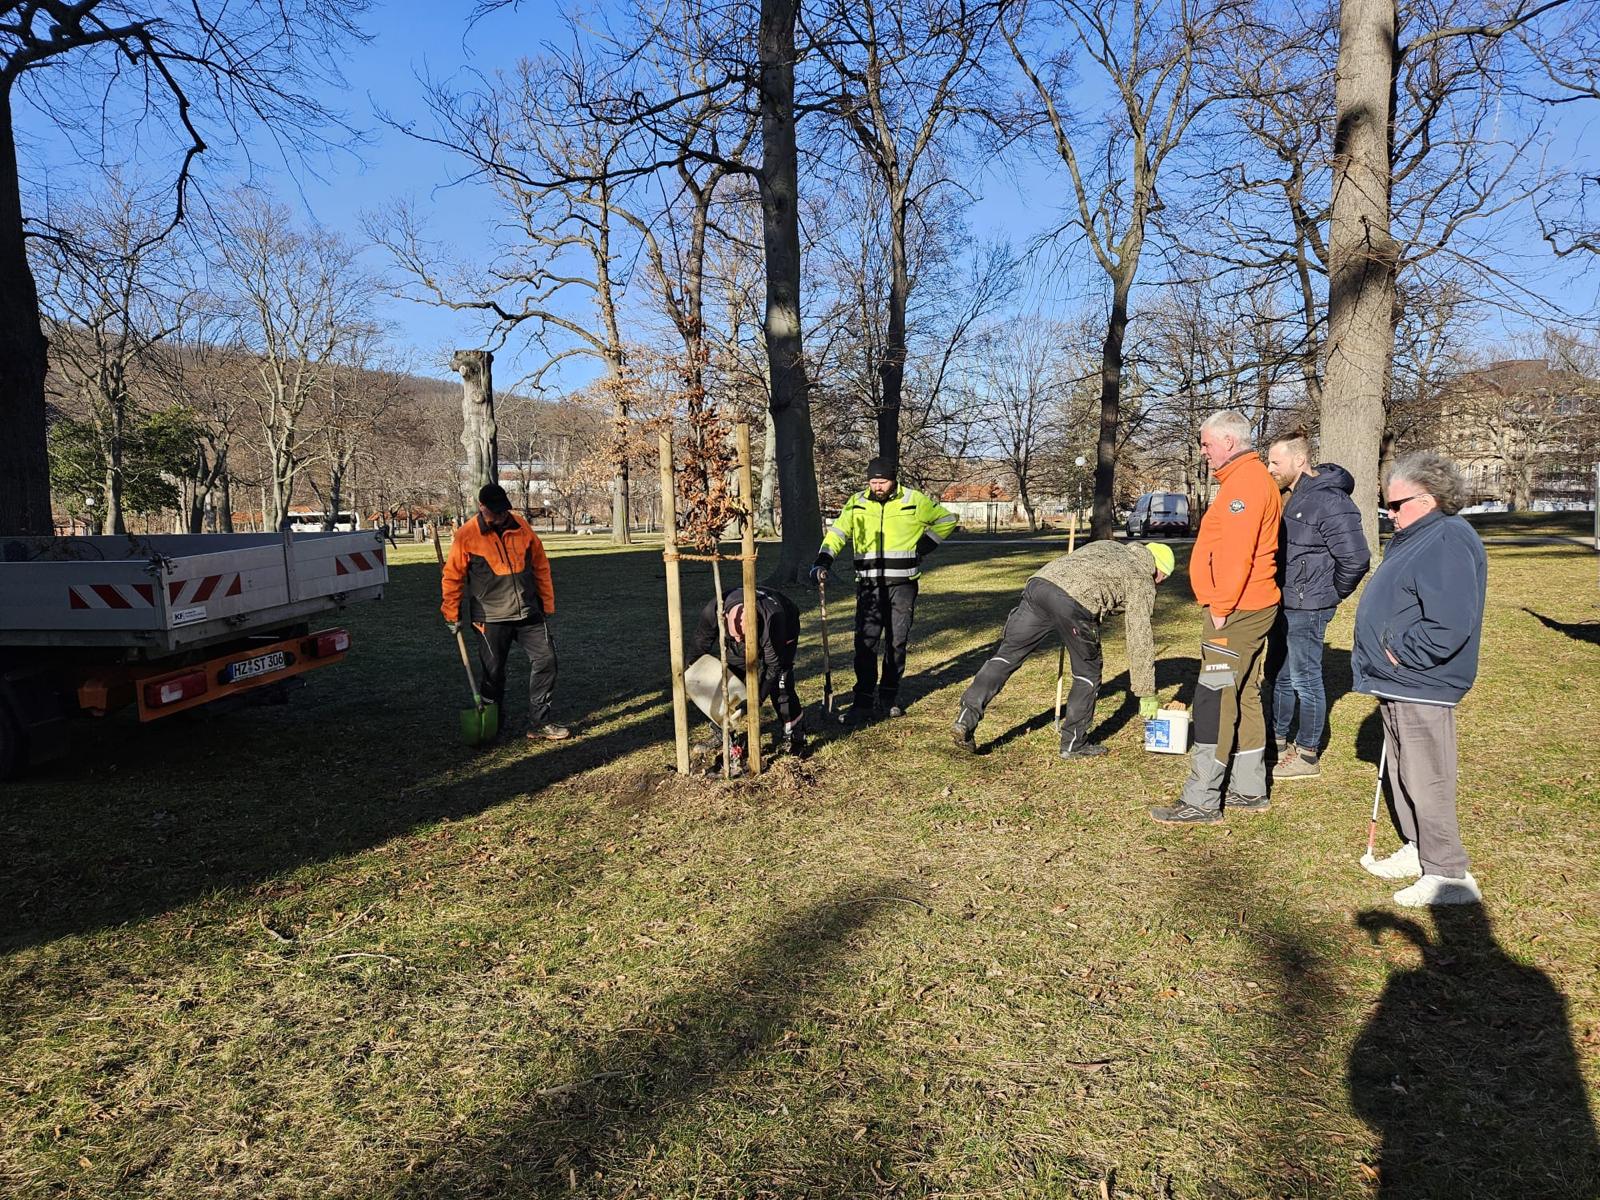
1468	1073
1170	672
145	819
717	1038
1578	631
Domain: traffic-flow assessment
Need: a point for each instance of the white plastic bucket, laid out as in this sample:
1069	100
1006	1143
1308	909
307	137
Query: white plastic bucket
1167	732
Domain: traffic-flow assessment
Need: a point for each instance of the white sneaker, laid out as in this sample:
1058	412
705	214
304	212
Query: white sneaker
1439	889
1402	864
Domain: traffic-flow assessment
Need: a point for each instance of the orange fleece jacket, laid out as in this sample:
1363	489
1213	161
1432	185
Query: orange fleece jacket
1235	562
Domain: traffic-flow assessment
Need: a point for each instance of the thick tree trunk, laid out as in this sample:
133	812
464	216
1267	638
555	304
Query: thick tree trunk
892	371
1362	254
1103	522
767	505
477	416
24	464
780	223
225	516
621	532
115	521
330	519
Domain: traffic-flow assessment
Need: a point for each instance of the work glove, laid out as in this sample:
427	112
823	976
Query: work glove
818	573
453	626
1149	706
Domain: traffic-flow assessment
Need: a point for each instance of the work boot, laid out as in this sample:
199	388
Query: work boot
1296	764
1402	864
896	711
1237	803
793	742
1184	814
549	732
1439	889
1087	750
860	712
963	737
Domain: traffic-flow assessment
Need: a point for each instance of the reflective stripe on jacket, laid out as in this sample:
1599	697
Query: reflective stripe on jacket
1234	566
496	575
888	535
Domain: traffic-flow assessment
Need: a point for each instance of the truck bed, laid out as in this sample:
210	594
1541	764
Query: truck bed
158	593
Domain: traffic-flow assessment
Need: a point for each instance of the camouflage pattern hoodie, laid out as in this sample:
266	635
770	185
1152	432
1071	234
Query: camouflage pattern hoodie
1109	577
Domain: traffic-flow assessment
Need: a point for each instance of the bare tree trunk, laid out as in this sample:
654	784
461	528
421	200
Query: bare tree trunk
1103	522
621	530
115	522
477	416
225	517
780	222
1362	254
767	505
24	465
892	371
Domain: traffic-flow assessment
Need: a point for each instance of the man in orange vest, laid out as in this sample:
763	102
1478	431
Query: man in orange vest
498	578
1233	572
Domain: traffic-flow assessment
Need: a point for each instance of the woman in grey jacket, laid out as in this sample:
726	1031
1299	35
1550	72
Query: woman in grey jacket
1416	649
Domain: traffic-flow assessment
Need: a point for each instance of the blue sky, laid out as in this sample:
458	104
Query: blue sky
411	38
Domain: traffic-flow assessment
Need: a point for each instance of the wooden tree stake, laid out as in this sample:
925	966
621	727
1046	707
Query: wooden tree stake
669	555
752	624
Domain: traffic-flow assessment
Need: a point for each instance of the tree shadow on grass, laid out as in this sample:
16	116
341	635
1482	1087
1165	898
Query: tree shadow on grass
145	819
1288	1020
1468	1072
1578	631
606	1120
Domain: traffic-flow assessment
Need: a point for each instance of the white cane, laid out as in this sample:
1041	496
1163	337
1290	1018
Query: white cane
1377	798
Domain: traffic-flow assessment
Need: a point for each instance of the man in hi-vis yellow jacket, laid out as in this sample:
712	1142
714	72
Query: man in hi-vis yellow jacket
891	528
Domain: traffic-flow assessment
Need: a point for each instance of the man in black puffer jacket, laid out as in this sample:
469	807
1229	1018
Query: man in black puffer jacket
1322	555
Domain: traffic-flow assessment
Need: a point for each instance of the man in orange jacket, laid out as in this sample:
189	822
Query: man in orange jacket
1234	575
498	578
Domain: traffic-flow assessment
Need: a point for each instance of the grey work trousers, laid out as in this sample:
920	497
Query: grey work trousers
1420	748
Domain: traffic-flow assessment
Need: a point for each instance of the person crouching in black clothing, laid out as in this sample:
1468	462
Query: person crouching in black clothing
777	638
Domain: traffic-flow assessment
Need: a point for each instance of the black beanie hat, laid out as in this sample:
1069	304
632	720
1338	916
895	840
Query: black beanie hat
493	497
878	468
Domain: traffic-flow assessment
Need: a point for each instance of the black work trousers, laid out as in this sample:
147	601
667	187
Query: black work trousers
1044	610
533	635
882	608
785	700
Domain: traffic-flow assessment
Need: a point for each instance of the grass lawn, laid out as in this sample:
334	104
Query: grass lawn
1534	524
323	950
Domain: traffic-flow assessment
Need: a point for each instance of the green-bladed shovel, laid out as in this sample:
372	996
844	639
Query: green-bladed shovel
481	722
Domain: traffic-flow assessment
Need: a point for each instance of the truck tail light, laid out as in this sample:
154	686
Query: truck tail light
331	641
160	692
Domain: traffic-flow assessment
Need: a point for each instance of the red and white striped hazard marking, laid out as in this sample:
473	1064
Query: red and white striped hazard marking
143	595
350	564
111	595
201	589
